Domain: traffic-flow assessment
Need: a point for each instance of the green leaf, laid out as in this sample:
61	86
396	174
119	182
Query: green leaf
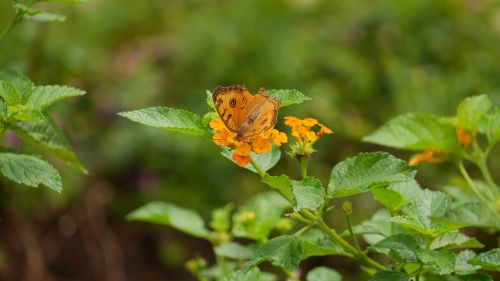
283	251
221	218
23	114
455	240
182	219
389	276
22	83
322	273
470	277
259	215
416	131
358	174
48	136
9	93
438	261
471	110
400	247
425	205
43	96
235	251
490	125
210	100
391	199
309	194
42	16
462	265
489	260
244	274
469	214
377	228
316	243
170	119
265	160
280	183
29	170
408	190
288	97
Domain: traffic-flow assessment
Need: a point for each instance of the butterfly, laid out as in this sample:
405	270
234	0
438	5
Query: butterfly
245	114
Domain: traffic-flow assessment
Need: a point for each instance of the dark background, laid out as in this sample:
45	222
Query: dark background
362	62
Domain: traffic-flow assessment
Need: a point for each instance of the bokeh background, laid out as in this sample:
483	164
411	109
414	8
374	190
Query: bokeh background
362	62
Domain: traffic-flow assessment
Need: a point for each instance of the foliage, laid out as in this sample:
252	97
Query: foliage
417	231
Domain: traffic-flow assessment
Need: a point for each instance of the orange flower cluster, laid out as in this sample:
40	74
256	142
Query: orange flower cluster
260	143
429	155
304	135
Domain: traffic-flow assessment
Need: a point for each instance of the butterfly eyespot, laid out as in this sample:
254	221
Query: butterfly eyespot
232	102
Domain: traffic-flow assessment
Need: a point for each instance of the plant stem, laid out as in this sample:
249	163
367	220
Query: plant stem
332	234
303	165
487	176
257	168
472	185
348	219
335	237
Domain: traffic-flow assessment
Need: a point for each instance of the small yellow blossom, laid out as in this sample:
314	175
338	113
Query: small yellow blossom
304	135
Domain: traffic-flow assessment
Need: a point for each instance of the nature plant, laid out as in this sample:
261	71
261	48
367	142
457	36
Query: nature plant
22	110
14	11
418	229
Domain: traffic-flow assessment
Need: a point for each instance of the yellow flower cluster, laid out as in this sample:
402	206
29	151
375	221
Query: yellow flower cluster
304	135
241	148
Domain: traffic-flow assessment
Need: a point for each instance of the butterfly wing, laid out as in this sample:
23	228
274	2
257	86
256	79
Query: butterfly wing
261	115
230	102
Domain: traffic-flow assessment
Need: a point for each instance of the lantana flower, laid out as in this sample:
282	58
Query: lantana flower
259	143
429	155
305	132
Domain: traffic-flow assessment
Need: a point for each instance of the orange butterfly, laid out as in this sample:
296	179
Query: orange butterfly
245	114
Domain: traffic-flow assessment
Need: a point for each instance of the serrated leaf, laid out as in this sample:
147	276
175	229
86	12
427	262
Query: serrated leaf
425	205
182	219
391	199
251	274
221	218
265	160
377	228
400	247
170	119
282	184
490	125
358	174
438	261
259	215
489	260
454	240
462	265
43	96
469	214
9	93
322	273
235	251
48	136
416	131
29	170
471	110
22	83
288	97
210	100
408	189
283	251
309	194
390	276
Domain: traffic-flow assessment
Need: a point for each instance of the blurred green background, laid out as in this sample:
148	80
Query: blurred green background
362	62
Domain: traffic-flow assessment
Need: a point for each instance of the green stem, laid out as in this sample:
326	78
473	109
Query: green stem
472	185
221	262
348	219
487	176
332	234
303	165
335	237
